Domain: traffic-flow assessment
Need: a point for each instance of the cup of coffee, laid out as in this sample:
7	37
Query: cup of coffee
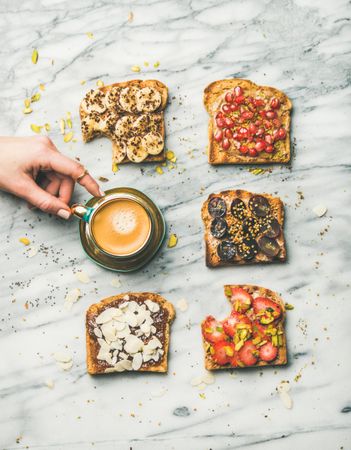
121	231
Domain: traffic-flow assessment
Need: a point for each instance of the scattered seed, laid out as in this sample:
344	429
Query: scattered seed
135	69
42	87
146	64
36	128
159	170
62	125
24	240
172	241
156	64
100	83
82	82
69	123
27	110
289	307
47	126
35	97
103	179
90	35
68	137
115	167
35	56
27	102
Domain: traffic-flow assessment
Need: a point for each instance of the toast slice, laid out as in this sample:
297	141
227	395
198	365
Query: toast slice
243	228
129	332
249	124
247	341
131	115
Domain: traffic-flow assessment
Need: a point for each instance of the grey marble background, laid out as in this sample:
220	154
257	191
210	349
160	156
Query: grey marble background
301	47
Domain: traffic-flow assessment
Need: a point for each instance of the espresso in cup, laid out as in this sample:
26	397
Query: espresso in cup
121	227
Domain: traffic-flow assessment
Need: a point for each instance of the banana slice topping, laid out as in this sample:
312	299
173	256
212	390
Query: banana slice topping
135	150
112	98
148	99
153	143
119	151
124	127
94	102
127	98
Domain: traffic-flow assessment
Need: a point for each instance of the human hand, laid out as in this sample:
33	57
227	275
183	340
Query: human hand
32	168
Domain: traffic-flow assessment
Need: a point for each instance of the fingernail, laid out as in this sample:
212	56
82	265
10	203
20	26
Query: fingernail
63	213
102	193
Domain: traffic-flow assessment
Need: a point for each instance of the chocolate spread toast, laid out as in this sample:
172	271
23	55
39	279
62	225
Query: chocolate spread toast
131	115
252	335
249	124
243	228
129	332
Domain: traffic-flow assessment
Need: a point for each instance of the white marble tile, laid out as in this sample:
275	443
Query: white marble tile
299	46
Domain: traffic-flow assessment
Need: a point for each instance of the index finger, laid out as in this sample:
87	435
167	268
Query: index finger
67	166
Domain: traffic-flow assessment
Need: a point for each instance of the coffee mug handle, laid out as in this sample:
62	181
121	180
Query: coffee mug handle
82	212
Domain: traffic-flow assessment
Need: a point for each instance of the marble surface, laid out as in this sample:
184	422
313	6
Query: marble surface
301	47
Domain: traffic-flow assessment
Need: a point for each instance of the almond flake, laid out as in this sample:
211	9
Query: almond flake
65	366
159	393
73	295
97	332
47	126
68	137
24	240
320	210
182	305
106	315
62	357
196	381
130	16
208	378
35	56
286	399
172	241
50	384
137	361
82	277
32	251
115	282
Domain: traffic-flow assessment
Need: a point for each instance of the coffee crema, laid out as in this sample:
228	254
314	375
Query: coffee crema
121	227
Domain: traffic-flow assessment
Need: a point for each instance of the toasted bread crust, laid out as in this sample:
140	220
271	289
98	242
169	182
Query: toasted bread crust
161	87
282	357
92	346
212	99
212	258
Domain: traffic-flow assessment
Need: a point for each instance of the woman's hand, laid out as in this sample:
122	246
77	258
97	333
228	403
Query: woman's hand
33	168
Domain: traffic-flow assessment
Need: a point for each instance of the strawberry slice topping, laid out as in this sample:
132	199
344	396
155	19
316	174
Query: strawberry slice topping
240	299
259	331
268	352
212	330
230	324
266	310
223	352
248	353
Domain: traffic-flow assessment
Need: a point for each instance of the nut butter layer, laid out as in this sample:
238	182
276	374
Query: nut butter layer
129	332
243	228
131	115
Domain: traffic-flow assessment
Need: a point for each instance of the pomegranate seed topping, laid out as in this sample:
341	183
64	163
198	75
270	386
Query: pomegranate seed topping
218	136
252	128
225	144
229	97
269	149
239	137
240	99
275	135
243	131
259	132
226	108
260	146
262	113
258	123
219	115
258	102
269	139
228	134
271	114
229	123
234	107
243	149
235	136
276	123
281	133
275	103
247	115
252	152
220	122
238	91
267	124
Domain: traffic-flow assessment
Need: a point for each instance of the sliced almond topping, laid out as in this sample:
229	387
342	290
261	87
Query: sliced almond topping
82	277
137	361
182	304
106	315
63	357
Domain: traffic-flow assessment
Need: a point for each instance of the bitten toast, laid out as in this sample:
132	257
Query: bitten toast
131	115
252	335
129	332
249	124
243	228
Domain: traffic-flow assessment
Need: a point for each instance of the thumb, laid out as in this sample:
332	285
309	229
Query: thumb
41	199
